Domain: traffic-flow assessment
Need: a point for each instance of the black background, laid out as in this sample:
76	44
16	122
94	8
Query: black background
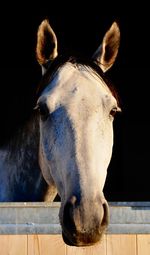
80	31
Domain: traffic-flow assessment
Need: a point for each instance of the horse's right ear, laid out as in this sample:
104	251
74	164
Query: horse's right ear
46	48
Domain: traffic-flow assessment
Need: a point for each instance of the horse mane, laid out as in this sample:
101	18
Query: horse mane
53	66
21	139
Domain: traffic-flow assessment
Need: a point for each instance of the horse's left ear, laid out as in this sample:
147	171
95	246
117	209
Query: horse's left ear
107	52
46	48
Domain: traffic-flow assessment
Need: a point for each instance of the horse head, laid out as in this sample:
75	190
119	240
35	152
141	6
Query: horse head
77	109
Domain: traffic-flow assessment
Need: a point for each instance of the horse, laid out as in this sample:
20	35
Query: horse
66	145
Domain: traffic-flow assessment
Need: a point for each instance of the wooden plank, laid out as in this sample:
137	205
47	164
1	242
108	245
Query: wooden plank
121	244
46	245
91	250
13	244
143	244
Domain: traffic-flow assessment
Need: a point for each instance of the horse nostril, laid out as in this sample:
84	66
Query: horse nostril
105	219
68	213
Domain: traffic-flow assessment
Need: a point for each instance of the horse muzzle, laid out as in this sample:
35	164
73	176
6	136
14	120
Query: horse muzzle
83	223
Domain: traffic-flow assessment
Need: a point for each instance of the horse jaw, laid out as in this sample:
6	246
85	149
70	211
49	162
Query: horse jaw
52	190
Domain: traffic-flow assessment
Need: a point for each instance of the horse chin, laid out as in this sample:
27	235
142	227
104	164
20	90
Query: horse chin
78	242
67	240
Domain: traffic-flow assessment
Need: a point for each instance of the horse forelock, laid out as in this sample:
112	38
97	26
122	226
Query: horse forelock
52	68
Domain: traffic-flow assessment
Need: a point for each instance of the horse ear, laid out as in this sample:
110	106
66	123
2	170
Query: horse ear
107	52
46	48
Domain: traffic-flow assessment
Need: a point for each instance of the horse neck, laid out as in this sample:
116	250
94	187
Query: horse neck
19	167
20	175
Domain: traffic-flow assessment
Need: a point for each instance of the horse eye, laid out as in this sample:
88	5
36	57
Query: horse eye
113	111
43	110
